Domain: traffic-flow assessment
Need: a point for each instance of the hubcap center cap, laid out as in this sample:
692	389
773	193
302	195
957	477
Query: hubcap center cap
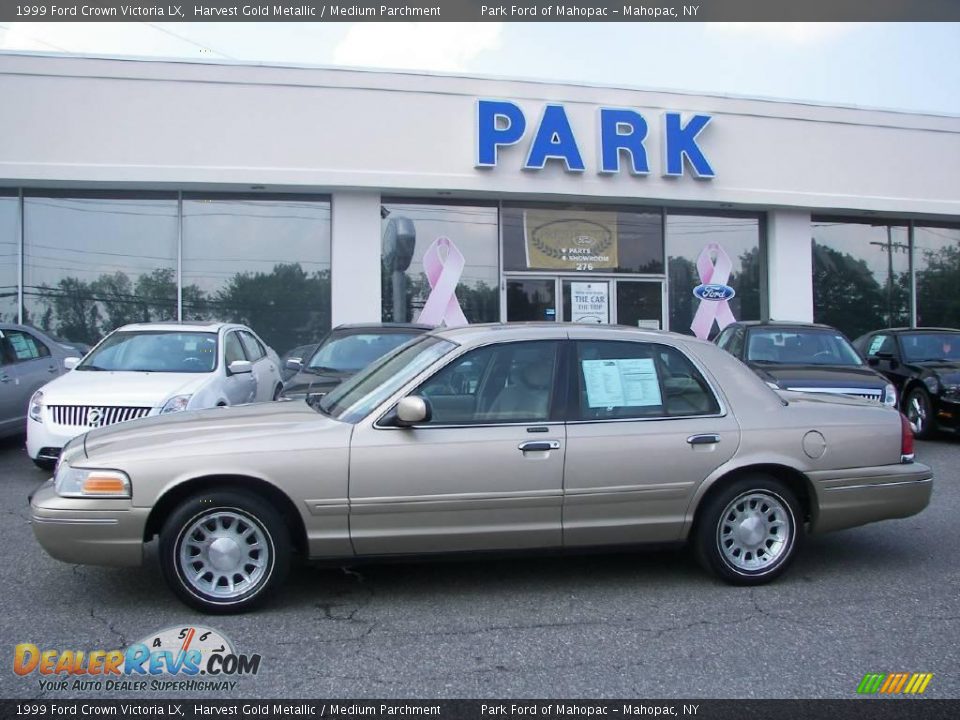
224	553
752	531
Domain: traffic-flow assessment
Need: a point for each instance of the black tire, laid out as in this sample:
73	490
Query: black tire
261	563
769	511
46	465
919	411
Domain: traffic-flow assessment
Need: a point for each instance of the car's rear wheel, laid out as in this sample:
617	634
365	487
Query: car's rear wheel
750	530
224	551
919	412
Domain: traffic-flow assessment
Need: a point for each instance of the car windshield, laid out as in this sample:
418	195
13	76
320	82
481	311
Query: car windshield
354	399
801	347
918	347
350	353
154	351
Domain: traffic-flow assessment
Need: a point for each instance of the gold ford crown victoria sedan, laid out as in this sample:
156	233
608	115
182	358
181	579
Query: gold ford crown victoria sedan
486	438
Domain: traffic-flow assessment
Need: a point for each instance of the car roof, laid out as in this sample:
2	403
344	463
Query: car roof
783	324
469	334
384	327
917	329
185	326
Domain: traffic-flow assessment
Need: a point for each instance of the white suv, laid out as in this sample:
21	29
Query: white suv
150	369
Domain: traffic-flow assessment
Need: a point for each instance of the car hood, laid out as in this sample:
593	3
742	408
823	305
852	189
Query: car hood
947	370
120	388
304	382
200	432
827	376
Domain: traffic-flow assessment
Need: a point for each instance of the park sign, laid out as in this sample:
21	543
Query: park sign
621	133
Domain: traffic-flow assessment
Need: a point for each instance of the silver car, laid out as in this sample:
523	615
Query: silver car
29	359
486	438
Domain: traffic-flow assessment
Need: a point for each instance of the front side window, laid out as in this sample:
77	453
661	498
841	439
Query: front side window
880	345
626	380
179	352
232	349
253	348
24	346
801	347
505	383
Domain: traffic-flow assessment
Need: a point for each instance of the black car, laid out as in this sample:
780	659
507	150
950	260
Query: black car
806	357
924	364
344	351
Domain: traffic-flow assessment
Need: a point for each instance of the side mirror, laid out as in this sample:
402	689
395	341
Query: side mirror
884	355
295	364
239	366
71	362
412	410
873	361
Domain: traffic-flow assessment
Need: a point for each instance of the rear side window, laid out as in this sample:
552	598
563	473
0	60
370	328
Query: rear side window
625	380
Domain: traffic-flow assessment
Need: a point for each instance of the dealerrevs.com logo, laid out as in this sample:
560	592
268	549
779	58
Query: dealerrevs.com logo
191	659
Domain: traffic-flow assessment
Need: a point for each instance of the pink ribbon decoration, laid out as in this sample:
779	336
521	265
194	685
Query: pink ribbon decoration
712	271
443	271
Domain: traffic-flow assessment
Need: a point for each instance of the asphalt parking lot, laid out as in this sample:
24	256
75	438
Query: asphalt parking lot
882	598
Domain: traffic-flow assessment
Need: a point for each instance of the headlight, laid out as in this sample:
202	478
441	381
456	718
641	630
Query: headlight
36	406
80	482
176	404
932	383
890	395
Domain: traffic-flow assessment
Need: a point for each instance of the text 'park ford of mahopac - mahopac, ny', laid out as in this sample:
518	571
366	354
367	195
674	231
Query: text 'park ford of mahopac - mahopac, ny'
587	13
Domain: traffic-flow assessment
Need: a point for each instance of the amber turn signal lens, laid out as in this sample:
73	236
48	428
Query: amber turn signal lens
104	485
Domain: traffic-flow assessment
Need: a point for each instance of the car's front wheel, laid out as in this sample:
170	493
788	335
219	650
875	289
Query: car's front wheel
750	530
919	412
224	551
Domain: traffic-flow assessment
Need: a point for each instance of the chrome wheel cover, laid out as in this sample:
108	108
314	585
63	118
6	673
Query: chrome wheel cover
917	413
755	531
224	554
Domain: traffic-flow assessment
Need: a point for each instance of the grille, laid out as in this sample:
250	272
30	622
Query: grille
94	415
856	392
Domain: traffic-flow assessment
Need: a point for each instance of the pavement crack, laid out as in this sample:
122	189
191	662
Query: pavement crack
109	625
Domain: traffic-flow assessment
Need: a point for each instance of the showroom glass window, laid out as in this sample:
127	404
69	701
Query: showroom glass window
9	255
713	249
861	275
572	238
936	262
409	231
96	261
263	261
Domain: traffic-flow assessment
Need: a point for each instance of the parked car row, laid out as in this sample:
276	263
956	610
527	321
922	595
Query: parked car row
917	369
151	369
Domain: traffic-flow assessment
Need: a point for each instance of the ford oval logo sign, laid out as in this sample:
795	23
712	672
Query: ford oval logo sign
715	293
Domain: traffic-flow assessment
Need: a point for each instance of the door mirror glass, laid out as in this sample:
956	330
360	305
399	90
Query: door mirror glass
295	364
413	409
240	366
71	362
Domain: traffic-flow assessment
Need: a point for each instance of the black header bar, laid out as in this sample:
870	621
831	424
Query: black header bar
478	11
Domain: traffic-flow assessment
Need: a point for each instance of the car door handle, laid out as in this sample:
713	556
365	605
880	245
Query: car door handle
534	445
704	439
52	369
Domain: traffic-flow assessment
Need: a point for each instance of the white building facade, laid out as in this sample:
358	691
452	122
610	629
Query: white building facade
293	198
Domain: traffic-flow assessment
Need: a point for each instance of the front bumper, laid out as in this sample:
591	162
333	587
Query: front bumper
848	498
88	532
43	440
947	416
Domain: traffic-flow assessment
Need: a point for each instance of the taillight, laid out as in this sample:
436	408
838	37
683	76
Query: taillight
906	440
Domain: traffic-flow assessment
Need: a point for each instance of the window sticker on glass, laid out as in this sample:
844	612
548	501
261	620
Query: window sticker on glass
875	344
621	383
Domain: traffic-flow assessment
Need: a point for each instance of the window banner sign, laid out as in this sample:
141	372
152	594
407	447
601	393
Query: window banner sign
713	267
443	265
572	240
590	302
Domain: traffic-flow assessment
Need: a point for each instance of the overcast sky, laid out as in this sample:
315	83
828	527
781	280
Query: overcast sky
907	66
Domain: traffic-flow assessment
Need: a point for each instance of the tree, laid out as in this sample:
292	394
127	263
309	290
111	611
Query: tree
938	302
846	294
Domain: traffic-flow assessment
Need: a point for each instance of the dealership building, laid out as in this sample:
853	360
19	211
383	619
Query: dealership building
293	199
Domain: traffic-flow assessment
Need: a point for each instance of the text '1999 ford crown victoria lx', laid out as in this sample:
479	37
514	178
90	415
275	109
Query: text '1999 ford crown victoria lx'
486	438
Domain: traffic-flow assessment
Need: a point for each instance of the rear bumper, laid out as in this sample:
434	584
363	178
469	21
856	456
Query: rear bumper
848	498
88	532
